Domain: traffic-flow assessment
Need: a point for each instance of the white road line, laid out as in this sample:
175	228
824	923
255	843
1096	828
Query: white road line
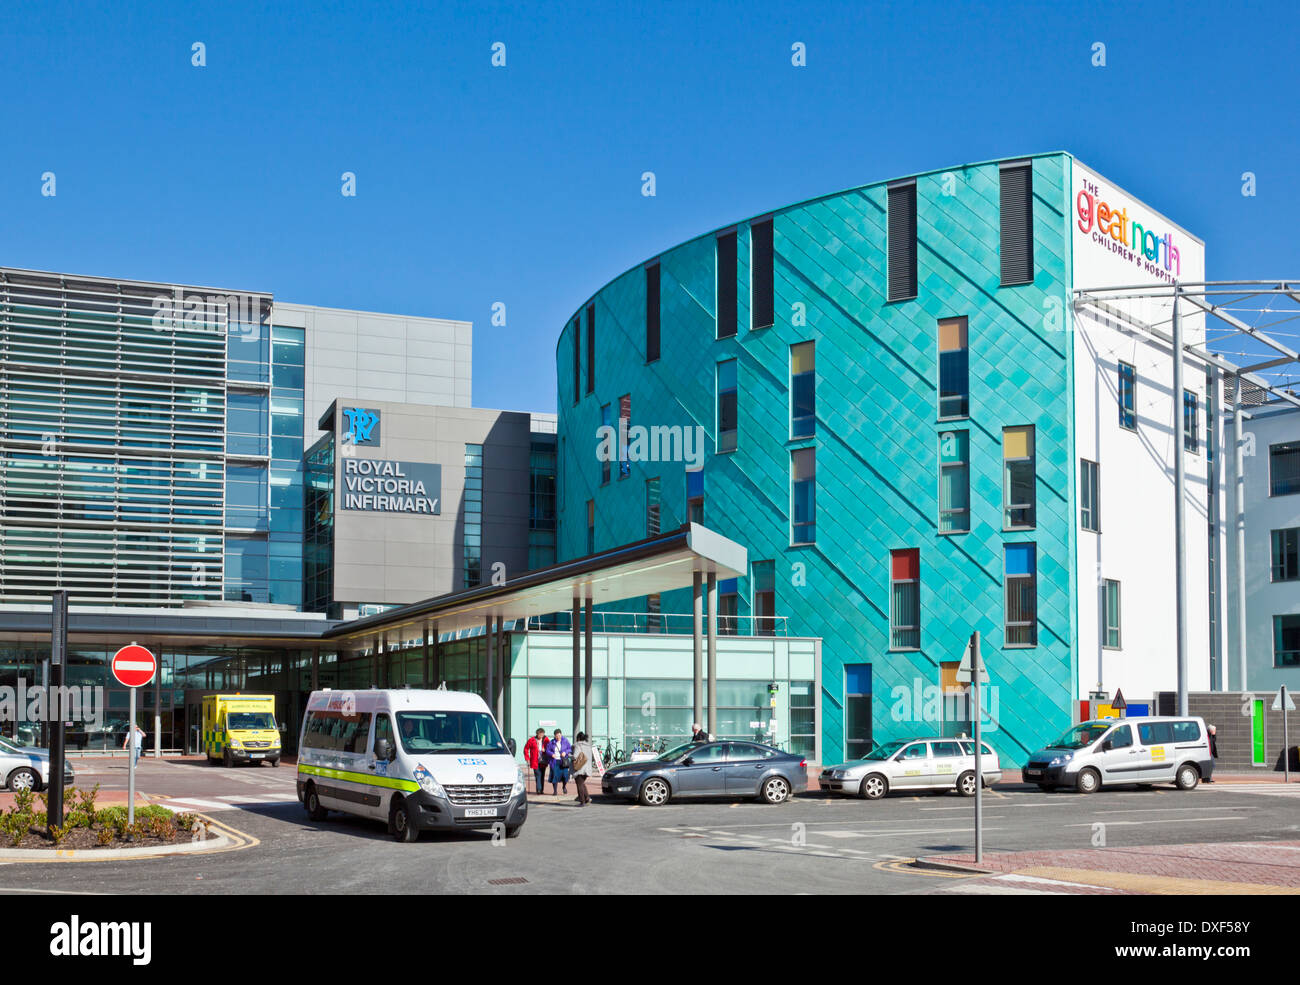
1172	820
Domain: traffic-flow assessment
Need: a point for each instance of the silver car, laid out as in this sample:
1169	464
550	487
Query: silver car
910	765
27	767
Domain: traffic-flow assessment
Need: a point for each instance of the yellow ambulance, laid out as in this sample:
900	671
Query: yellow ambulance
240	728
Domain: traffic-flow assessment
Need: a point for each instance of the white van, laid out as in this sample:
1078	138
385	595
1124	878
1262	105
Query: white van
1112	751
416	759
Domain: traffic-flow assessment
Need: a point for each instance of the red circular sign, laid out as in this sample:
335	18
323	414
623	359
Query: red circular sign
134	666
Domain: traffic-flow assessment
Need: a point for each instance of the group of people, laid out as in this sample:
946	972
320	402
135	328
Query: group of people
563	760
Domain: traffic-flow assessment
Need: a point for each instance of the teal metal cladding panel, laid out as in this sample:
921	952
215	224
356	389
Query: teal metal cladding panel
877	436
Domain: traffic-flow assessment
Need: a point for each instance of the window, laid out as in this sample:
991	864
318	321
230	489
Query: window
652	312
727	285
654	622
902	241
857	710
624	428
1020	567
728	411
695	497
1121	737
591	526
1016	208
1018	478
591	348
803	718
1284	469
762	312
803	495
1127	397
905	599
954	369
605	422
577	359
728	606
946	750
1089	495
954	482
473	530
1286	641
1286	554
652	507
764	582
803	390
917	750
1191	423
1110	614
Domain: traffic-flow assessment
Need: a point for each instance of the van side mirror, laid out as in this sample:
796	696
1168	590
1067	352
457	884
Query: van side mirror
1107	745
510	744
383	750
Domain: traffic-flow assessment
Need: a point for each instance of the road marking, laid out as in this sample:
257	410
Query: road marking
1170	810
1171	820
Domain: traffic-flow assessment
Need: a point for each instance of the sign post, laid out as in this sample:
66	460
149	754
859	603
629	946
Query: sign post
971	671
1282	702
55	710
134	667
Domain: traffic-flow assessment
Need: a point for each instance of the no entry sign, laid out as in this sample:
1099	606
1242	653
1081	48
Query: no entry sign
134	666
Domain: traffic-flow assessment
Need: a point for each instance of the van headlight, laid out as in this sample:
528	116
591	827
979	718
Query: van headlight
517	789
429	785
1062	759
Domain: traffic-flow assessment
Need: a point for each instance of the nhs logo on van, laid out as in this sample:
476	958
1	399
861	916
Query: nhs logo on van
363	426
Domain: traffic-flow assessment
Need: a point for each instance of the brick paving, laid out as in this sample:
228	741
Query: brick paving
1246	867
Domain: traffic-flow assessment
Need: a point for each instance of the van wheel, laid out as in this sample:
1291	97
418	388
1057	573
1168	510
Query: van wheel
874	787
226	759
1087	781
399	820
276	761
311	801
966	784
513	832
1187	778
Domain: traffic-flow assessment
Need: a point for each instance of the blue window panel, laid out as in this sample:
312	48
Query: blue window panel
857	678
289	377
288	449
1020	559
727	586
695	483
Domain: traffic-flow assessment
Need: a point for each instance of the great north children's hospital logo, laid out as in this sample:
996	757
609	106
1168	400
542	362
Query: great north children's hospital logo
363	425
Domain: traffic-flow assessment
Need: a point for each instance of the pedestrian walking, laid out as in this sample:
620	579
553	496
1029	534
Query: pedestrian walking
534	751
698	734
584	761
134	733
560	751
1214	754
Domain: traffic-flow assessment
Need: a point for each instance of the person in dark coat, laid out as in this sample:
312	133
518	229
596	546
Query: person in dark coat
1214	754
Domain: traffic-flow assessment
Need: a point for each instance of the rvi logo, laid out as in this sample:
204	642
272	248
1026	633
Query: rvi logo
95	939
363	426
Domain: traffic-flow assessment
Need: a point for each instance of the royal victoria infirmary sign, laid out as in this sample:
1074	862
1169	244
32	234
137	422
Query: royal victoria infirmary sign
379	485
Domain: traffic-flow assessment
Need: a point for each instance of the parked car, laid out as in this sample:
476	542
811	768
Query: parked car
28	767
710	769
911	765
1107	752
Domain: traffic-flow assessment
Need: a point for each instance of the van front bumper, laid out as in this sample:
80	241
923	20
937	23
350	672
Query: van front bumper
431	813
253	755
1051	776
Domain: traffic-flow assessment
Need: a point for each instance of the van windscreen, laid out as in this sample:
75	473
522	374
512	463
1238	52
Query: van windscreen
448	732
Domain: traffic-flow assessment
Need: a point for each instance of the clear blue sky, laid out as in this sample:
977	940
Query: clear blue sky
522	184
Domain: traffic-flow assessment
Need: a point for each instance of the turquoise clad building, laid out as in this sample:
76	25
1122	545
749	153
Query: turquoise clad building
882	383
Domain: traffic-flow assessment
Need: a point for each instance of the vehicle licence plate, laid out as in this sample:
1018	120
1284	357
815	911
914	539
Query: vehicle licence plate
480	812
256	755
1033	772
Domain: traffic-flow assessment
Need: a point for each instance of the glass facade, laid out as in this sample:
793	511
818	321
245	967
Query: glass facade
318	538
541	501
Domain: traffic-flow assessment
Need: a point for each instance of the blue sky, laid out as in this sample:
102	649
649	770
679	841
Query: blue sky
522	184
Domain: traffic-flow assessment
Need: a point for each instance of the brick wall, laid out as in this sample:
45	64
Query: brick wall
1222	709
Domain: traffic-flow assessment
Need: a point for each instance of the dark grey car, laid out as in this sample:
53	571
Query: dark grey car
710	769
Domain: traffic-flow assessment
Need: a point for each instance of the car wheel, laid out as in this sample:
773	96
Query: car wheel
312	802
1187	778
23	779
966	784
776	790
1088	781
873	787
400	821
654	792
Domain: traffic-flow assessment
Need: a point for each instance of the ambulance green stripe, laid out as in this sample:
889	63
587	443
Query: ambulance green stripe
391	783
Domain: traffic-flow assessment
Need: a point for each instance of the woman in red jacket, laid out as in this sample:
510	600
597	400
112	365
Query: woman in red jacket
534	756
